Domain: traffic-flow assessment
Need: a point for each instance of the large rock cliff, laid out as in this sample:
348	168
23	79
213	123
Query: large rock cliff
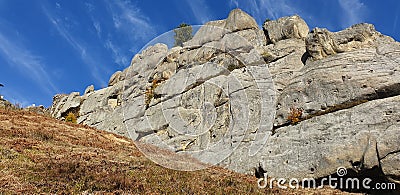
296	102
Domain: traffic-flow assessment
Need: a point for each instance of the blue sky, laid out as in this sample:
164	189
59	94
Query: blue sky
60	46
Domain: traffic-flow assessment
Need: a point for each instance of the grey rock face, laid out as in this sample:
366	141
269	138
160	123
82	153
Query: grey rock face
321	43
284	60
341	81
63	104
299	104
317	147
211	31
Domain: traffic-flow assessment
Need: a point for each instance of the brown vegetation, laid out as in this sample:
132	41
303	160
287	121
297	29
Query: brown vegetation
295	115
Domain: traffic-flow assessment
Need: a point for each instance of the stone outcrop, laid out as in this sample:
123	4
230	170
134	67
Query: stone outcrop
285	28
115	78
343	80
4	104
89	89
239	20
38	109
359	138
321	43
297	103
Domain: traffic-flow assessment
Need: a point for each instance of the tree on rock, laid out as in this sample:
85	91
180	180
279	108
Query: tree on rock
183	33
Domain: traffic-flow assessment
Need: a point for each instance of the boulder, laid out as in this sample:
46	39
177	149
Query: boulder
64	104
89	89
115	78
239	20
285	28
210	31
38	109
58	101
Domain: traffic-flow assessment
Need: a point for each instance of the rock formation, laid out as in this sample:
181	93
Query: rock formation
296	103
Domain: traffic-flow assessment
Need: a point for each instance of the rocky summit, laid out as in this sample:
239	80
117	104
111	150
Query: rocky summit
296	102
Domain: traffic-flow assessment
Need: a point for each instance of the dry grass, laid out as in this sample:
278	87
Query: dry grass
39	154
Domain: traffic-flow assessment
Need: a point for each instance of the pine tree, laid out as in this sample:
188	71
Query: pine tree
183	33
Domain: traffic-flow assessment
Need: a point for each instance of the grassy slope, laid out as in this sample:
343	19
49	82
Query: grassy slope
42	155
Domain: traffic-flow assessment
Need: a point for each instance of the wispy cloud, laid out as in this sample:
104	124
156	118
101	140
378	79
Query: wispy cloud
97	27
31	65
129	20
234	3
395	20
16	98
119	58
353	12
263	9
78	45
200	10
96	24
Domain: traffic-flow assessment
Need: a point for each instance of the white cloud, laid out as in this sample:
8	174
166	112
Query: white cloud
353	12
76	44
263	9
395	23
234	3
129	20
97	27
119	58
29	64
96	24
89	6
200	10
395	20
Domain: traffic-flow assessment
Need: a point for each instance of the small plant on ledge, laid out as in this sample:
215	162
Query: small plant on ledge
149	94
295	115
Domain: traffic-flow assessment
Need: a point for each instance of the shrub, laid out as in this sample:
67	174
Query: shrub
266	20
71	118
150	92
295	115
267	57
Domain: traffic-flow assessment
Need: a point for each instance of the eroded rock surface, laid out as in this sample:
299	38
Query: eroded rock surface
297	103
286	28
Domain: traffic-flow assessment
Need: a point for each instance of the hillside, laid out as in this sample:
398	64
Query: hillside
43	155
